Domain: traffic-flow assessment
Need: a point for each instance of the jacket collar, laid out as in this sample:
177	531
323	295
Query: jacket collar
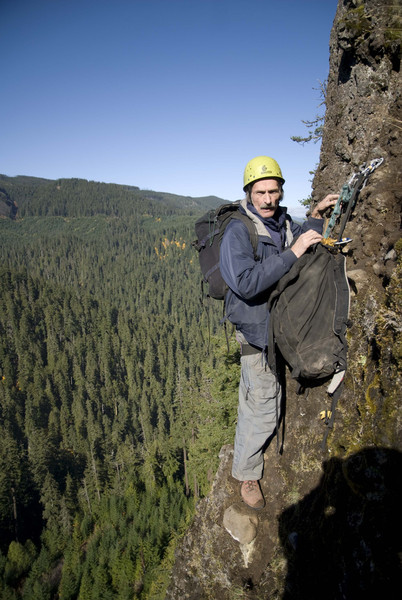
262	229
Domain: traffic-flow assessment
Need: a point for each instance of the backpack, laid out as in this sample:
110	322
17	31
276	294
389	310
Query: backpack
309	311
209	230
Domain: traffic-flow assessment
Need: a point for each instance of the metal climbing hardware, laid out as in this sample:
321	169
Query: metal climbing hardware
348	195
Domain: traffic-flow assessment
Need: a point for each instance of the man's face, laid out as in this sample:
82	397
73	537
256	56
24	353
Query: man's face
265	196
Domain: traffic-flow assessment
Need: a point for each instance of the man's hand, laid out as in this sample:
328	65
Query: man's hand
322	206
304	241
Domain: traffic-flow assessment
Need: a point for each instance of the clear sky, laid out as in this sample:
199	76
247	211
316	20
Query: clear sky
169	95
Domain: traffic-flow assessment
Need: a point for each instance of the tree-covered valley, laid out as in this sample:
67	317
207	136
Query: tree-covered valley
112	410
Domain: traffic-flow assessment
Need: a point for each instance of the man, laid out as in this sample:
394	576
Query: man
250	279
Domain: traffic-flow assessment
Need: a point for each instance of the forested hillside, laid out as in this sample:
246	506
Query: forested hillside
110	421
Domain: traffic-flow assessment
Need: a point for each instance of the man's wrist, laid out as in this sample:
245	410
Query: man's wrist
316	214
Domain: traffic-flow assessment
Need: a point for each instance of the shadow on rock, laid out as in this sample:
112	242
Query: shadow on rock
342	540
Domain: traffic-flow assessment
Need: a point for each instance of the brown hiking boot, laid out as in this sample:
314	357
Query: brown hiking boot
251	494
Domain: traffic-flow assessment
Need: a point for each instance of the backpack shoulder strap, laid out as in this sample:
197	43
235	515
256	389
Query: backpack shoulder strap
251	228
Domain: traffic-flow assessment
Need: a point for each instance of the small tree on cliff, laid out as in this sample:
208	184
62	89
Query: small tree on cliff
315	127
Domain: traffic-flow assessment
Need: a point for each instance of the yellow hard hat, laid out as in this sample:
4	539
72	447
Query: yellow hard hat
261	167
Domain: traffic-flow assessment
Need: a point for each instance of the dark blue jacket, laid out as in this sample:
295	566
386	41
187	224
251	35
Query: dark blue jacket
250	281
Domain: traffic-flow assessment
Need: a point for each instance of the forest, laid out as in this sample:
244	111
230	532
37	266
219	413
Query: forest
117	389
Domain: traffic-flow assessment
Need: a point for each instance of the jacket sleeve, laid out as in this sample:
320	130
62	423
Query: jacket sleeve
246	277
310	223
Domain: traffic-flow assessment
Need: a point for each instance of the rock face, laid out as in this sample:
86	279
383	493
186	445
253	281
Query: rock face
332	522
363	121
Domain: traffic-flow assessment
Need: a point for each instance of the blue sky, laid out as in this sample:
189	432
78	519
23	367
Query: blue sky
169	95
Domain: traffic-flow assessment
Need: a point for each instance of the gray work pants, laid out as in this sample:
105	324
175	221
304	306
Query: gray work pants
256	422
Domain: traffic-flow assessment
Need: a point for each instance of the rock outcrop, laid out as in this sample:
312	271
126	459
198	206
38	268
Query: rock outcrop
332	523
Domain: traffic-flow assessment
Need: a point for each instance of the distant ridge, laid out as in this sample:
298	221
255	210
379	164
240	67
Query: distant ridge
22	194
